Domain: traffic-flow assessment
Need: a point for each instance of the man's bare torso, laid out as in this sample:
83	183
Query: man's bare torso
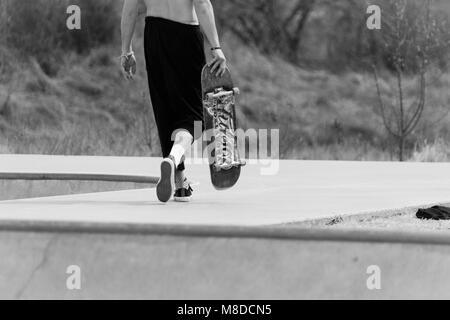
176	10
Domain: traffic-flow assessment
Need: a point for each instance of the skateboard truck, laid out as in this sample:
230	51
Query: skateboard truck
219	92
219	98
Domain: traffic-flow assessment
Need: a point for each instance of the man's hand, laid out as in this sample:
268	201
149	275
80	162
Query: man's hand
219	62
128	62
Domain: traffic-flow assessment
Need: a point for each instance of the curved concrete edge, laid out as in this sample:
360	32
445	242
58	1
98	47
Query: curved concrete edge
34	266
78	177
383	213
264	232
111	266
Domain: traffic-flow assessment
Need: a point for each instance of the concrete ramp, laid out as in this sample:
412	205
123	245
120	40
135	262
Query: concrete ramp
224	245
297	191
146	266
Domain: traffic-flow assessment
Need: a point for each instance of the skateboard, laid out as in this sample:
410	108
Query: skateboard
219	115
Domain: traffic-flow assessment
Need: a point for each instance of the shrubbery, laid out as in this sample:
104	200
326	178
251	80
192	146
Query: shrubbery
38	28
330	34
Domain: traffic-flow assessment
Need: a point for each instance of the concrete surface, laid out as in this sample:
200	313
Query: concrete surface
301	190
223	245
132	266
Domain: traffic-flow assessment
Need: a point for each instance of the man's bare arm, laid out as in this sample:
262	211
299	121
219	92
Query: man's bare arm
142	8
130	13
131	10
205	13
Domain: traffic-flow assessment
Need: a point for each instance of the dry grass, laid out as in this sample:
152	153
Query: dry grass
87	108
439	151
400	220
322	115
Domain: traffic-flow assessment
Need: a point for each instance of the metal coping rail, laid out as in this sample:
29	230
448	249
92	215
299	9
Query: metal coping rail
239	232
78	177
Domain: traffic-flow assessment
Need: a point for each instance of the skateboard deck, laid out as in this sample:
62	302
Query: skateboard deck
219	115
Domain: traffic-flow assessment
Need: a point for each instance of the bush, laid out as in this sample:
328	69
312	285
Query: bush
329	33
438	151
37	28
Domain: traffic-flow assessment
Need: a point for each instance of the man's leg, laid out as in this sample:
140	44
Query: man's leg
179	58
182	141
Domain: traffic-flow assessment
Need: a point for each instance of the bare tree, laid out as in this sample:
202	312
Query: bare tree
410	36
270	25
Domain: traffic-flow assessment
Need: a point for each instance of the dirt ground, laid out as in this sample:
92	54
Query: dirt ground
399	219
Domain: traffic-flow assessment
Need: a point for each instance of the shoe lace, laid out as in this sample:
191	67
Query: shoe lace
187	185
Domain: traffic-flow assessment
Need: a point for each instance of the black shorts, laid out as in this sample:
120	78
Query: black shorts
175	56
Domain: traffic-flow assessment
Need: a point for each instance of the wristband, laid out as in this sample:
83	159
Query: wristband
127	55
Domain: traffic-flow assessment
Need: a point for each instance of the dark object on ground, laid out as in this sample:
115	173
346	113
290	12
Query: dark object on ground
434	213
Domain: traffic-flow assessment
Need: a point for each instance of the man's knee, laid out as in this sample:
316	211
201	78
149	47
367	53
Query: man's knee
182	135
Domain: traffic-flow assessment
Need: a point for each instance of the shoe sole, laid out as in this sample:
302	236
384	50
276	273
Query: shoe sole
182	199
166	184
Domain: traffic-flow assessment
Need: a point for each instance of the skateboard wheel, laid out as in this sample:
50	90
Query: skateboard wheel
236	91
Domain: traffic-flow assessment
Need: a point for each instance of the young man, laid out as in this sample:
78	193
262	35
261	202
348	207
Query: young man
174	57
